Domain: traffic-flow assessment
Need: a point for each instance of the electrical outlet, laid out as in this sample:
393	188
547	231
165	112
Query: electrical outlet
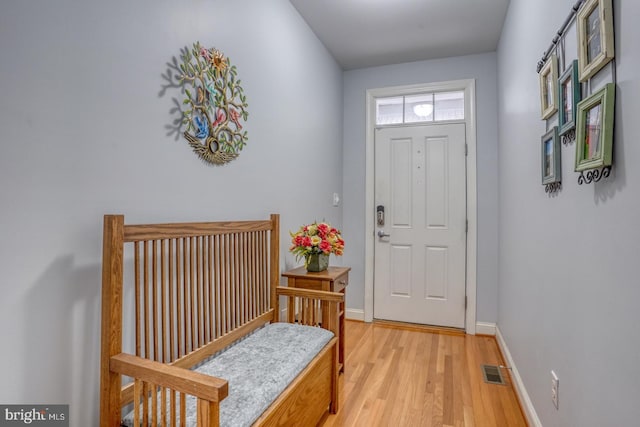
555	382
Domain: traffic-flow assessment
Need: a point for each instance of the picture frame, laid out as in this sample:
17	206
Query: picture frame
594	135
569	94
549	87
595	37
551	157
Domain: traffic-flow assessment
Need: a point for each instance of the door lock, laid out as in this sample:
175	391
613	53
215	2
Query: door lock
380	215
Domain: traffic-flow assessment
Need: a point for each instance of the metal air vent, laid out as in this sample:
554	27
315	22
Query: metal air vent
492	374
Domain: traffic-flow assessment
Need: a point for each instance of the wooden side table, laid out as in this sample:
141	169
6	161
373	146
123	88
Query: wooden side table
333	279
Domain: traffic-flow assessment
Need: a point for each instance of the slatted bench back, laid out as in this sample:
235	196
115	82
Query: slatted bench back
197	287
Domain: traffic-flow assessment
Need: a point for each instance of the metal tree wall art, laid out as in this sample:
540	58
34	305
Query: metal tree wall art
214	105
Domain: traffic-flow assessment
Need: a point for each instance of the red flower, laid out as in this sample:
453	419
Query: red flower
325	247
323	229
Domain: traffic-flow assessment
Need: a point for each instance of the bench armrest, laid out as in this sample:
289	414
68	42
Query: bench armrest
313	308
309	293
182	380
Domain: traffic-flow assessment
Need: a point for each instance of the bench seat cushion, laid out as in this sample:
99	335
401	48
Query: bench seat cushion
258	369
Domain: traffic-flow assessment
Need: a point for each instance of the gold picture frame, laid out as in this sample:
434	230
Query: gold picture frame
595	37
549	87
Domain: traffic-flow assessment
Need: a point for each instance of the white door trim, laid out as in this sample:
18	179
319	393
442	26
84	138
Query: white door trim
469	87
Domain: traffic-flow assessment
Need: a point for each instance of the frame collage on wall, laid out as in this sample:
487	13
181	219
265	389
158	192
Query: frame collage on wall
586	119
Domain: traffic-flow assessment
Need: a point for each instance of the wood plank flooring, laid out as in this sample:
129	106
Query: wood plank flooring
408	376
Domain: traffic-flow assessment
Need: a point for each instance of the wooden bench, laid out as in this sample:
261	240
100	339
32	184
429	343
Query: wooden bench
191	290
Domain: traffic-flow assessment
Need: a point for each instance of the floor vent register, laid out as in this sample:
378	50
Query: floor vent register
492	374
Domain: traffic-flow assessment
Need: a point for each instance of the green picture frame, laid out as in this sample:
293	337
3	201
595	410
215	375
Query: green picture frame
594	24
549	87
594	135
569	94
551	157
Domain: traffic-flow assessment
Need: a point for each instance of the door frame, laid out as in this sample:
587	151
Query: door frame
469	88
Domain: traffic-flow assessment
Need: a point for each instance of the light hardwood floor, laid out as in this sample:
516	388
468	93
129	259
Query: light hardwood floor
397	375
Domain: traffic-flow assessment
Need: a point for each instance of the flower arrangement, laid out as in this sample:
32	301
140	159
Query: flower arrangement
316	238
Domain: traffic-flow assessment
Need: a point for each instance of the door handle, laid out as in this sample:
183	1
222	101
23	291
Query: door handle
382	234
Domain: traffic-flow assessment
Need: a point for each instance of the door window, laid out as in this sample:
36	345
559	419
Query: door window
420	108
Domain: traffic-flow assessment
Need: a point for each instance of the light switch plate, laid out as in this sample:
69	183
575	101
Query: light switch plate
555	383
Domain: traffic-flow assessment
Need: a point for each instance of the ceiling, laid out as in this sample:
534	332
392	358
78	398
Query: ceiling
367	33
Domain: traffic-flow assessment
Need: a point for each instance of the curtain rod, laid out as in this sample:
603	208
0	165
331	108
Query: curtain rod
559	34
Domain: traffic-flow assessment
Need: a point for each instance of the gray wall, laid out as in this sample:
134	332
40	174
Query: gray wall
83	132
568	270
356	82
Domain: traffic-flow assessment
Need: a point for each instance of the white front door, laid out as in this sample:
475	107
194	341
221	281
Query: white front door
420	243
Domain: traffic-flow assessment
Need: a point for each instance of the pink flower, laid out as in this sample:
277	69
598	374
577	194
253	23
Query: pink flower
204	53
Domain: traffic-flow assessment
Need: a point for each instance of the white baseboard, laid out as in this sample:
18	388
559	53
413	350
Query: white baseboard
485	328
354	314
518	385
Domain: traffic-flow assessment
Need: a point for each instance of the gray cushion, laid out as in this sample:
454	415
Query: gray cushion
258	369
